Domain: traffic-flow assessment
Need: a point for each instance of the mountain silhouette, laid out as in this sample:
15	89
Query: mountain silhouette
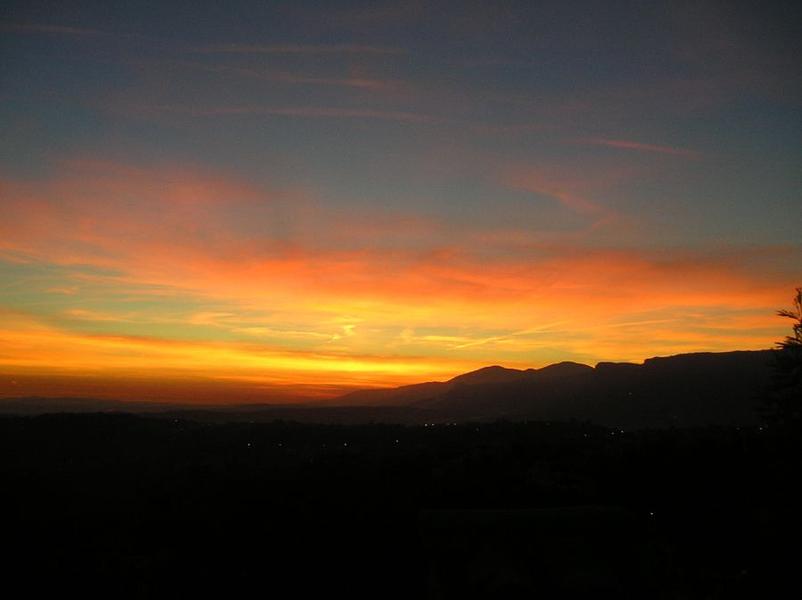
494	374
687	389
420	392
699	389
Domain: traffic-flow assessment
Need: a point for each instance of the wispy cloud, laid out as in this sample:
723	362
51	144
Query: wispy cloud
70	290
518	129
280	76
366	83
32	345
297	49
241	280
639	146
511	335
573	190
45	28
93	315
309	112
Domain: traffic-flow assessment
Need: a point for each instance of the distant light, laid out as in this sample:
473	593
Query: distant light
396	441
345	443
651	513
249	444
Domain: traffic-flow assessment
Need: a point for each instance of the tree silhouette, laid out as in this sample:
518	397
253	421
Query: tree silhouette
793	343
786	399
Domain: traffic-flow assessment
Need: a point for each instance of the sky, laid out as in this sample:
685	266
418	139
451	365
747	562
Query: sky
282	201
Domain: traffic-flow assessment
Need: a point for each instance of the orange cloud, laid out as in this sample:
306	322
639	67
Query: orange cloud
199	230
285	292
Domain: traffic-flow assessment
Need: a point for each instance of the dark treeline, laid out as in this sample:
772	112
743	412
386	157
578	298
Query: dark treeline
132	506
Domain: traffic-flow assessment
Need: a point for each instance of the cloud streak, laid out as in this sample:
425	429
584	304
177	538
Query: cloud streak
334	292
639	146
304	112
53	29
303	49
576	189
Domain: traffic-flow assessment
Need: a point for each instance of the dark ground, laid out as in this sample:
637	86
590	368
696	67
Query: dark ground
124	506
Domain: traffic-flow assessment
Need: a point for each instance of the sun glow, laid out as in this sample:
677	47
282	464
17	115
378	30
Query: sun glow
209	289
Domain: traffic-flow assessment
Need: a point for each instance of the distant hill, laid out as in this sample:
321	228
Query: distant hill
684	390
400	396
494	374
36	406
417	392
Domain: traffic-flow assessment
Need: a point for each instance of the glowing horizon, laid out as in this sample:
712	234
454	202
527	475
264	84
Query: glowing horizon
301	211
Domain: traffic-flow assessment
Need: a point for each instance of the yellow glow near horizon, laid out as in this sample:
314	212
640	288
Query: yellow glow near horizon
185	285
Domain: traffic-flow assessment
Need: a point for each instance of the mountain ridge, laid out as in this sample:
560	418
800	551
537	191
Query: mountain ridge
702	388
694	388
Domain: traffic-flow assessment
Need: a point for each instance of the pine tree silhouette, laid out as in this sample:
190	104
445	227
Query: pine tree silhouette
786	397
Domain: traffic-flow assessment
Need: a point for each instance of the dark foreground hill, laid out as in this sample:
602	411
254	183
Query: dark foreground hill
123	506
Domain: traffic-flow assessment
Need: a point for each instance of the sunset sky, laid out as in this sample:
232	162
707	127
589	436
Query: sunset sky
273	201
